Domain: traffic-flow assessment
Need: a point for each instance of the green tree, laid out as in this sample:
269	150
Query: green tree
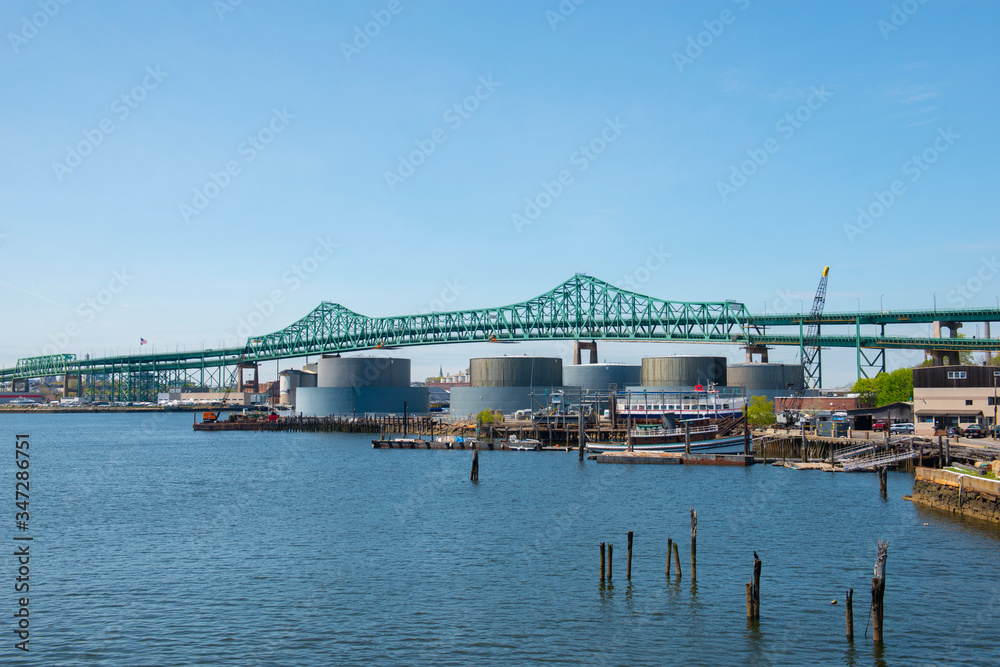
485	417
867	391
760	412
885	388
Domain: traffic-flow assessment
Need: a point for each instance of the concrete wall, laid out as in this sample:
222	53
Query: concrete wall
953	492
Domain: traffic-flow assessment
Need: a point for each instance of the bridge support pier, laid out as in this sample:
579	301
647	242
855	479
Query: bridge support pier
579	346
19	386
953	356
756	349
253	385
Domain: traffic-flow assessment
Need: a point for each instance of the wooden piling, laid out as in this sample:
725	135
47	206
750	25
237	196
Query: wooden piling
611	558
850	613
687	444
582	438
628	566
878	591
602	562
753	590
694	543
670	553
677	559
883	482
475	466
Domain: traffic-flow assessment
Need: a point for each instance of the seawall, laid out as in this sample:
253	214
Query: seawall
953	492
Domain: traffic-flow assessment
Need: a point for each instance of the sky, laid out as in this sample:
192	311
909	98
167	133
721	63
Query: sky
193	172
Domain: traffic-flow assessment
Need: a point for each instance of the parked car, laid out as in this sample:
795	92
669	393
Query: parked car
975	431
954	432
879	425
901	428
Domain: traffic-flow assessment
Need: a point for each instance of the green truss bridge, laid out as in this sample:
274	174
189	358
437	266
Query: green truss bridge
582	308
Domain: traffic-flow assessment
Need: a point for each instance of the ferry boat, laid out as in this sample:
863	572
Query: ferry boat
653	405
704	434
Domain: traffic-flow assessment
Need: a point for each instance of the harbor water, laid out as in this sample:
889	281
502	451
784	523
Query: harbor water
157	545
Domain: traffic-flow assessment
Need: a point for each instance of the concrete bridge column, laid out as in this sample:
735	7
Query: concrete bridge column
756	349
578	347
939	356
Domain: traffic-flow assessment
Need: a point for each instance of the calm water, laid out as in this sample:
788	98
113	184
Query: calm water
155	545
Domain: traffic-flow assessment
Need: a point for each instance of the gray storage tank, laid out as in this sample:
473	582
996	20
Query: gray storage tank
516	372
599	377
363	372
683	371
768	380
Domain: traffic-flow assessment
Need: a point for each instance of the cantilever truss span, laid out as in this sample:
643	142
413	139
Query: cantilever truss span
583	307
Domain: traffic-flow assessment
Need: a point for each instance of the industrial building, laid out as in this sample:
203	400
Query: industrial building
358	386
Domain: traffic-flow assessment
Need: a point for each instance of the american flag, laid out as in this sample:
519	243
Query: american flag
142	341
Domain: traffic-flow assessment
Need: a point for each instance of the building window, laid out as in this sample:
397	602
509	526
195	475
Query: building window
968	401
990	400
957	375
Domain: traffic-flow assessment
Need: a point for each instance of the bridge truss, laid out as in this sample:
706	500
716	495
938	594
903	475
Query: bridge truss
581	308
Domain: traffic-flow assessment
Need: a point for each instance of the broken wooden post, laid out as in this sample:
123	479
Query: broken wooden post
670	553
628	566
602	562
677	559
753	591
878	590
882	482
687	437
611	558
694	542
850	613
582	434
475	464
940	453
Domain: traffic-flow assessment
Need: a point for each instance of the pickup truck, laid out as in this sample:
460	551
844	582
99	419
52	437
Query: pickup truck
879	425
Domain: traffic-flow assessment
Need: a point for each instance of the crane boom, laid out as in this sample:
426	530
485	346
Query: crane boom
811	356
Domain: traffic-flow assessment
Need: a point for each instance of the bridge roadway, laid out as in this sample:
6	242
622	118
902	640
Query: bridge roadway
580	308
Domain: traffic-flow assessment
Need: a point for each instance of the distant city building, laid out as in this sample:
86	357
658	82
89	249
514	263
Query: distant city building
446	382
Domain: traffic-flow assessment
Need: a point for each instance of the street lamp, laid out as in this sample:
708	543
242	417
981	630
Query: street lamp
935	302
880	297
802	308
859	303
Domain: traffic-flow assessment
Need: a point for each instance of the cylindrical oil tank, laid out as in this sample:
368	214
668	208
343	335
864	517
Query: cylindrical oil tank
683	371
516	372
765	378
600	377
363	372
288	382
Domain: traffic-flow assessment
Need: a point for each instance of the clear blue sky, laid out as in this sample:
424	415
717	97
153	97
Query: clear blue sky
115	115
